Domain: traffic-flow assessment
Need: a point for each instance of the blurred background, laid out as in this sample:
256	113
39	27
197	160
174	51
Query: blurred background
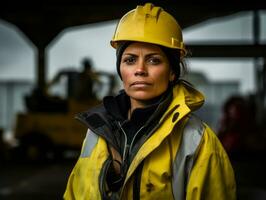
51	52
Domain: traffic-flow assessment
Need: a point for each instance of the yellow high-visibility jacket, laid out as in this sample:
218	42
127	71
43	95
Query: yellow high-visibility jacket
181	159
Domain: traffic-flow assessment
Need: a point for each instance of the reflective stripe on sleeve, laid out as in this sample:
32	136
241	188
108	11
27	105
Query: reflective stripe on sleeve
89	144
184	159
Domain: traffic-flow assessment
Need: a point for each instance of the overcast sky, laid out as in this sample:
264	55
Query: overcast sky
73	44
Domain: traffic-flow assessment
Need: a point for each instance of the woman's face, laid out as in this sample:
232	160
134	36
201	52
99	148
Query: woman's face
145	72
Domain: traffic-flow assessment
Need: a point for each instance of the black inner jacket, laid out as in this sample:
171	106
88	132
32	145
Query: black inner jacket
119	106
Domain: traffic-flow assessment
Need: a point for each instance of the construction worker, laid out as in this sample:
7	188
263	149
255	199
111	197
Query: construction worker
146	143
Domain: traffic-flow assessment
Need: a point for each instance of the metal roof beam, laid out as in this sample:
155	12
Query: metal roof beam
227	50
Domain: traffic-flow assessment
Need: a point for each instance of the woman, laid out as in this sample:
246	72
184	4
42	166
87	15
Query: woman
146	143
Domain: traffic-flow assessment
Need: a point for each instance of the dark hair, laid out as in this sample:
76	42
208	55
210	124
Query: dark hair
177	63
119	51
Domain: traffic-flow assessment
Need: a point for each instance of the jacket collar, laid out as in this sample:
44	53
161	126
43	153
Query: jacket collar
185	98
119	105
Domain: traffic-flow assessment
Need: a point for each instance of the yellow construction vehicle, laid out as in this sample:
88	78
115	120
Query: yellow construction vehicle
48	129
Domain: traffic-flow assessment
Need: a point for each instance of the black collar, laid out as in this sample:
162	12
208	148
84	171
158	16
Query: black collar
119	105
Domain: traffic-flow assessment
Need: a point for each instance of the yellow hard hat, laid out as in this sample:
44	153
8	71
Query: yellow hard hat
152	25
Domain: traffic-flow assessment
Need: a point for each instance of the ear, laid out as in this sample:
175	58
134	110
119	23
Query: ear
172	76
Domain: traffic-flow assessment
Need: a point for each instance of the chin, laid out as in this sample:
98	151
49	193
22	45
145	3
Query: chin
143	96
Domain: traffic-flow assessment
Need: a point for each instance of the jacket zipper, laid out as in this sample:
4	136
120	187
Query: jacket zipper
128	148
148	135
132	142
125	145
137	180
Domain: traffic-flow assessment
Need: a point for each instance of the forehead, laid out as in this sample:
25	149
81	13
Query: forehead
137	47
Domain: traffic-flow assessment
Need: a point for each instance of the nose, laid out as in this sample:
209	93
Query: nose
141	69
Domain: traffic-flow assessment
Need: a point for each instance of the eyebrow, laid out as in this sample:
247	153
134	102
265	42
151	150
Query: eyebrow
148	55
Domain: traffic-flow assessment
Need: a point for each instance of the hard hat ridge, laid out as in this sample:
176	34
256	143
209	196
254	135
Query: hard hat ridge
149	10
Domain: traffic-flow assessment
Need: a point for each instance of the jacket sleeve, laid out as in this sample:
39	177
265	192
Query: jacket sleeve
73	180
83	180
212	175
69	193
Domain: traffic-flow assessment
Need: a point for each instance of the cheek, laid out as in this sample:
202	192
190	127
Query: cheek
125	75
162	77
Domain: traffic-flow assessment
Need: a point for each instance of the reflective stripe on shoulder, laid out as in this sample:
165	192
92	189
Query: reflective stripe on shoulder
89	144
184	159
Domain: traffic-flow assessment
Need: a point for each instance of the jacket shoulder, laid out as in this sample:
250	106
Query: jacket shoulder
212	175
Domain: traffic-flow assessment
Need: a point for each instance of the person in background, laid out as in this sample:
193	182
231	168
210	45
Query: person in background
80	84
238	130
84	89
234	123
146	142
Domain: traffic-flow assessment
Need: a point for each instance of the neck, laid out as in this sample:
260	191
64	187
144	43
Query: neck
135	104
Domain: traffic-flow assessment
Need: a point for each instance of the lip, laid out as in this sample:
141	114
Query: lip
140	83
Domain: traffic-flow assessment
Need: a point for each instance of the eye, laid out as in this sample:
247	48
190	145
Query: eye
154	60
129	60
